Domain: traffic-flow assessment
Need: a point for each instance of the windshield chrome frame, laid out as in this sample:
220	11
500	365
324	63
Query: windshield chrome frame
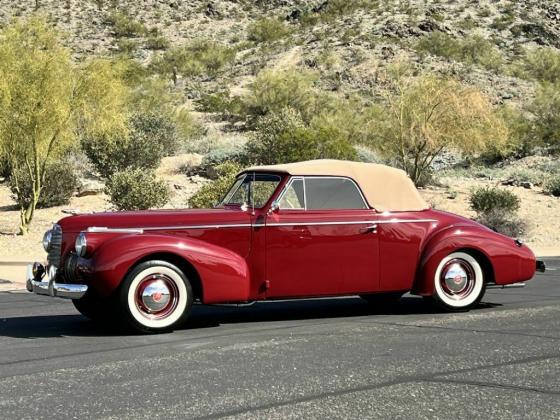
242	177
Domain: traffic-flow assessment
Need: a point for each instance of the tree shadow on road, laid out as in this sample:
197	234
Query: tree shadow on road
208	316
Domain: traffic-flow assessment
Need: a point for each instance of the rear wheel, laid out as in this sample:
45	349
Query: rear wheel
155	296
458	282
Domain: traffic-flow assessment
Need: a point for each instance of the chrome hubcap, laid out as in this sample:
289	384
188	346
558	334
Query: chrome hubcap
156	296
457	279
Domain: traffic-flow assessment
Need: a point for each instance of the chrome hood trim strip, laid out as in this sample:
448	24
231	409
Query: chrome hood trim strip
96	229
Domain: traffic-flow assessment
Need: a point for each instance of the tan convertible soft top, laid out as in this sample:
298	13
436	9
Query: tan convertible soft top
385	188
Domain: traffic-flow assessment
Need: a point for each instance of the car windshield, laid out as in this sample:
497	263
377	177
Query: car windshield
251	189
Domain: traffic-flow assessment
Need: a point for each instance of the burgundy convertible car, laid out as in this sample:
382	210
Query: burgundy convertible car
308	229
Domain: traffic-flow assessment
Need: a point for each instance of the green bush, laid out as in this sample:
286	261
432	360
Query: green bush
552	186
274	90
217	157
196	58
546	109
221	103
266	30
283	137
157	42
506	224
127	46
470	50
150	138
210	194
136	189
496	209
58	187
491	199
125	26
542	64
334	9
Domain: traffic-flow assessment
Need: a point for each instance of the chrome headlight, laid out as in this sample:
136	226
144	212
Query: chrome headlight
81	244
47	237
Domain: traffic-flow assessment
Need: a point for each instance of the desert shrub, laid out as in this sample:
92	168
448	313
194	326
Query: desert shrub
506	224
552	186
487	200
136	189
221	103
470	50
546	109
125	26
519	140
274	90
201	57
150	137
334	9
59	185
542	64
425	116
497	208
217	157
157	42
127	46
210	194
283	137
266	30
4	167
365	154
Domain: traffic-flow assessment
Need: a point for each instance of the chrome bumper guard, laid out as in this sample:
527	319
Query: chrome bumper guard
49	287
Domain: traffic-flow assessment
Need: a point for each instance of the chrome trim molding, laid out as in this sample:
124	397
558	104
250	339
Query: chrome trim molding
239	225
101	229
362	222
248	225
51	288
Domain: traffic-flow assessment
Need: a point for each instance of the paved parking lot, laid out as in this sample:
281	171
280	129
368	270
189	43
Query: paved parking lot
315	359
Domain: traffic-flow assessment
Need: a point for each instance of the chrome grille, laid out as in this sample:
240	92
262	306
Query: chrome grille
53	257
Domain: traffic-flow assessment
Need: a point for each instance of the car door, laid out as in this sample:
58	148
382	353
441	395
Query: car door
322	240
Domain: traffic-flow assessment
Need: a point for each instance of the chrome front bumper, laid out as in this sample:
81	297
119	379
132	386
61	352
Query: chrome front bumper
49	287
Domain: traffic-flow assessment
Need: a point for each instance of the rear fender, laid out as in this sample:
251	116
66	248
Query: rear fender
224	275
501	259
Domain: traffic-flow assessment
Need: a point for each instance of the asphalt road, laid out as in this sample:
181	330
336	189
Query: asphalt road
327	358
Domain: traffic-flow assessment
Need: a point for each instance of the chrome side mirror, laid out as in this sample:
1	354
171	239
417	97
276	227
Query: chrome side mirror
274	207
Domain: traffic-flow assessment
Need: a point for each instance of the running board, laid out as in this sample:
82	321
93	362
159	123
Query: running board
505	286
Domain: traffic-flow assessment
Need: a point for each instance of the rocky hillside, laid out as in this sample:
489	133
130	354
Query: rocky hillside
348	42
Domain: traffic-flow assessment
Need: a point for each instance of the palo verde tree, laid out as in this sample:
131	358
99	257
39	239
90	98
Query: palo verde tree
46	100
423	116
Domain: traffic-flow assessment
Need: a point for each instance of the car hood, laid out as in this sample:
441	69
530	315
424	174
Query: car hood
154	218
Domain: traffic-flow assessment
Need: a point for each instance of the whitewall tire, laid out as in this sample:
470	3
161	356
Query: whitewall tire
156	296
459	282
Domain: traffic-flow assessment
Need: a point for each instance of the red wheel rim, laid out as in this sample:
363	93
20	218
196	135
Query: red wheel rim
156	296
457	279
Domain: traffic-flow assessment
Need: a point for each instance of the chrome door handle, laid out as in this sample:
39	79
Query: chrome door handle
369	229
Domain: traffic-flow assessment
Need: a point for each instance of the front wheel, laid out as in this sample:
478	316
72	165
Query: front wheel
458	282
155	296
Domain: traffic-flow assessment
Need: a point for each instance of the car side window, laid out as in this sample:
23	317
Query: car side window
293	198
333	193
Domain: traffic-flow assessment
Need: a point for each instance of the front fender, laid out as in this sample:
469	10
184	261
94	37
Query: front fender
508	262
224	275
